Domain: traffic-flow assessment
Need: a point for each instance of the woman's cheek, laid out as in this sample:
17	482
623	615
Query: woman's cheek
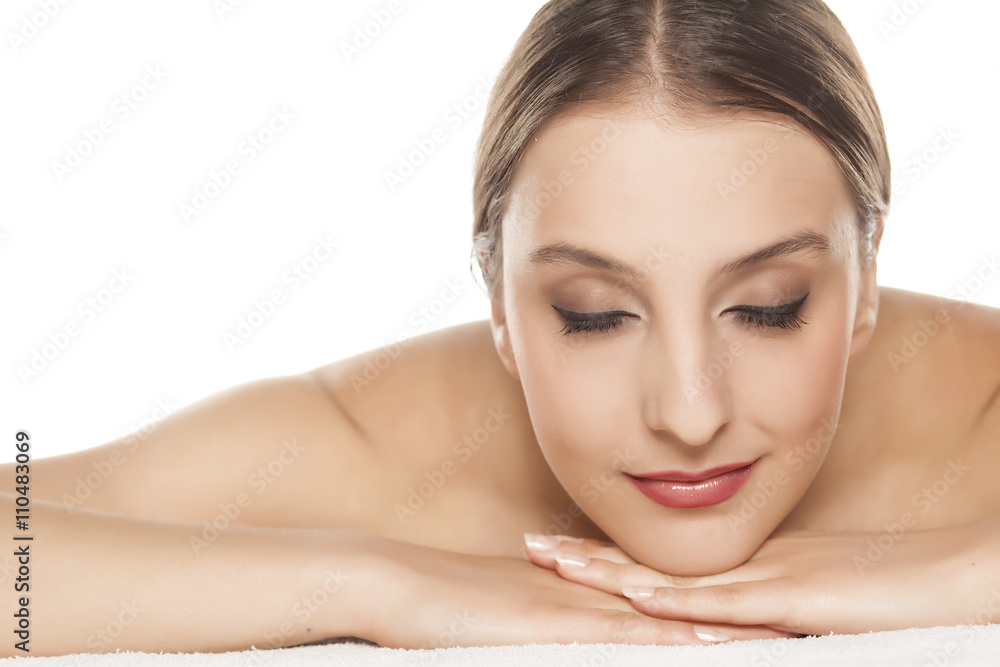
578	406
792	389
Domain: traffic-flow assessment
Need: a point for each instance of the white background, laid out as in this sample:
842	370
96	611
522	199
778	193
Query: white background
162	337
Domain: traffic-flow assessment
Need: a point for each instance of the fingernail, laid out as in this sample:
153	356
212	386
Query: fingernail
540	542
711	634
572	560
569	538
637	592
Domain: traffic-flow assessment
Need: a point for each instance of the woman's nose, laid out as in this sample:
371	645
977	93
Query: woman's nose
688	376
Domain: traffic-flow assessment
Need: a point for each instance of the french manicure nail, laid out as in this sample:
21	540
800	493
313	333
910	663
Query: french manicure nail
637	592
540	542
572	560
711	634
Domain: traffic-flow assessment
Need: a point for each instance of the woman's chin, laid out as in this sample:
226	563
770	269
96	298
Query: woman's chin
696	557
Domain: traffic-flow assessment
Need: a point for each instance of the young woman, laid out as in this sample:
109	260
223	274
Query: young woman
693	410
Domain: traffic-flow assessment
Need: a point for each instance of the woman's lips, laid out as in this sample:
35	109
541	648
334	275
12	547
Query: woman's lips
686	490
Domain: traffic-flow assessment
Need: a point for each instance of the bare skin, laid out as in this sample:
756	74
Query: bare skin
951	385
356	464
505	488
420	466
901	428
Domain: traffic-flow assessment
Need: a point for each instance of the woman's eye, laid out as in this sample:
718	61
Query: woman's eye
786	316
584	323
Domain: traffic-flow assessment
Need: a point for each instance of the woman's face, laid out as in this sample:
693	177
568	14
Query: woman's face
679	299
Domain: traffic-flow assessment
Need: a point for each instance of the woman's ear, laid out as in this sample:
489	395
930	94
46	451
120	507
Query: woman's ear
501	338
866	313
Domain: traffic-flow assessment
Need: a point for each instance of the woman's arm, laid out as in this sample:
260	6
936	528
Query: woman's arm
97	582
228	537
281	442
94	582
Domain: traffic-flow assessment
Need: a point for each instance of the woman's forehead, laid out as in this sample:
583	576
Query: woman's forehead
600	162
603	140
631	181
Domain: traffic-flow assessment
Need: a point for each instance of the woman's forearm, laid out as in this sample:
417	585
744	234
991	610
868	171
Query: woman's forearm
96	582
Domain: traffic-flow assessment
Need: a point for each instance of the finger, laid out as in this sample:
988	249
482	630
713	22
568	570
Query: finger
737	603
742	632
586	540
573	554
605	575
541	544
624	627
543	557
611	576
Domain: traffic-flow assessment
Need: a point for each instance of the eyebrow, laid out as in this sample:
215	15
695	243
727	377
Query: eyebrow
803	241
563	252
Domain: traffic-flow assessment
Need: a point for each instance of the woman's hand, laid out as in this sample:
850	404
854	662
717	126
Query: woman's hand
426	598
812	582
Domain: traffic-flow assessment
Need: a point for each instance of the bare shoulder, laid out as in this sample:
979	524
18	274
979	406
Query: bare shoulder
331	447
411	396
452	440
920	402
938	386
901	307
948	350
223	451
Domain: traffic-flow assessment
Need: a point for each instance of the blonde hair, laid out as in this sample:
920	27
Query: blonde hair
792	57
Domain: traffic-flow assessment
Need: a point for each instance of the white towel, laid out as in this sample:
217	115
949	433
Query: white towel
931	647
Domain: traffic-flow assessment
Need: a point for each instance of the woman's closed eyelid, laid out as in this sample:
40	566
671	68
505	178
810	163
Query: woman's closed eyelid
584	323
594	313
785	316
781	306
616	313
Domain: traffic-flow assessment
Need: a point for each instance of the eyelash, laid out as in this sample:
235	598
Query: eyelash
786	316
585	323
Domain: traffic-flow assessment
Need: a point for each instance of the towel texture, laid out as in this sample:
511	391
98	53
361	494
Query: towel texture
933	647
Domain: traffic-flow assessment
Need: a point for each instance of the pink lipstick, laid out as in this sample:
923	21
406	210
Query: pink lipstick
685	490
